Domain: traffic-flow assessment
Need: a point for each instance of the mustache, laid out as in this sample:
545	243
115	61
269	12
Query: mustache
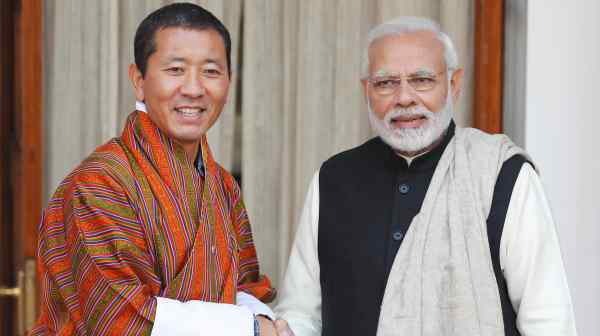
411	112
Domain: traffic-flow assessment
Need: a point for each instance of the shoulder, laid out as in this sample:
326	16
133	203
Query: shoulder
487	151
107	168
229	182
476	139
513	166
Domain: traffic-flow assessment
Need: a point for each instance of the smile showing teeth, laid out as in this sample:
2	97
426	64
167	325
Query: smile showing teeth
190	111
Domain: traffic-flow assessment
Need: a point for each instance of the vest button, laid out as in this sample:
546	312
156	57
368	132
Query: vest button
398	235
404	188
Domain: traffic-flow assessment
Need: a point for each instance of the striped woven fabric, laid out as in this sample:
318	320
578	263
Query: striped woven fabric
137	220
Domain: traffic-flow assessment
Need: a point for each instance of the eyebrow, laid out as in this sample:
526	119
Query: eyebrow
382	73
211	60
423	72
173	59
183	60
420	72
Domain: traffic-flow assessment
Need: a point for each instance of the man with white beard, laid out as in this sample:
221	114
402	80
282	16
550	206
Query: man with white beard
427	229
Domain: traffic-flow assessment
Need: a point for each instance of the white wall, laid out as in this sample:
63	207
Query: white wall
562	134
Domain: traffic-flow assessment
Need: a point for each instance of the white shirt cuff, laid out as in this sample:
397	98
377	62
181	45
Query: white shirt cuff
195	317
140	106
254	304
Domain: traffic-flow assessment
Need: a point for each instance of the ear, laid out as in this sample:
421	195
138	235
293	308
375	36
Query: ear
137	80
456	83
364	82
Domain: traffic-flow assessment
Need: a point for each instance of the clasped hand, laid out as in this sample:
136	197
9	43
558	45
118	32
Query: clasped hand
276	328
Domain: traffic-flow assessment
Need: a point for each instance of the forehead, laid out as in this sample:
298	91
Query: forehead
406	53
189	43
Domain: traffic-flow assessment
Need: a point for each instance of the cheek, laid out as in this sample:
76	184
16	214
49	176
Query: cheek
434	101
218	92
163	88
160	98
381	106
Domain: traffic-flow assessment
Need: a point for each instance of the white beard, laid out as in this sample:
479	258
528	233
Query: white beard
413	140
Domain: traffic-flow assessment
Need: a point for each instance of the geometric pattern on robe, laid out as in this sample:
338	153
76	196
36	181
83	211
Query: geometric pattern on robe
136	220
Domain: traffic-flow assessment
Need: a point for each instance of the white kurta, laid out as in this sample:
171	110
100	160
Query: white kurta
530	260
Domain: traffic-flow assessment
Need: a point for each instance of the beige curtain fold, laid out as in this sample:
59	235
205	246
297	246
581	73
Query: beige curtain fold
295	97
81	68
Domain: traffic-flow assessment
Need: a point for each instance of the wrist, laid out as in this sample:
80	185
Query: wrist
265	326
256	327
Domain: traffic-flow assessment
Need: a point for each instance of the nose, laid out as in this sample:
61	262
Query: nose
193	86
404	96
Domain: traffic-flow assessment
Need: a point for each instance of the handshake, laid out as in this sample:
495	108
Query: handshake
273	328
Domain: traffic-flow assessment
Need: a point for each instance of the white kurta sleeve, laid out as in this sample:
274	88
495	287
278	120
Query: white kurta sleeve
300	296
199	317
531	261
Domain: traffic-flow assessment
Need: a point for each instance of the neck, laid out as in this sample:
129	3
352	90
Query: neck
191	150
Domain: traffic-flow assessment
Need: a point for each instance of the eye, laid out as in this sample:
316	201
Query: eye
421	81
212	72
386	83
174	70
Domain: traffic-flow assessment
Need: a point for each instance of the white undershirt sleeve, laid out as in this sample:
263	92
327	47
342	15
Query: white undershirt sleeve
531	262
195	317
140	106
300	294
188	318
256	306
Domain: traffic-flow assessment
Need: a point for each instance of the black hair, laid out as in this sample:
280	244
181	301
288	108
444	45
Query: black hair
185	15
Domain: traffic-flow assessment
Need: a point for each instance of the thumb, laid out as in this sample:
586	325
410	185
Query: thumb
283	329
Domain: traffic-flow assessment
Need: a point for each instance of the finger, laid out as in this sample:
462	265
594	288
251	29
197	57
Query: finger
283	329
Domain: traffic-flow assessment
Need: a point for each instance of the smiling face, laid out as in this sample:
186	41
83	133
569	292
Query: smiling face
408	119
186	83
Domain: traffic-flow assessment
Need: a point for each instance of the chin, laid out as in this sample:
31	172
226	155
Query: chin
187	134
191	137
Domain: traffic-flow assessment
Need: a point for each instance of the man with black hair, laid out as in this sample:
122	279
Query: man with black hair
149	235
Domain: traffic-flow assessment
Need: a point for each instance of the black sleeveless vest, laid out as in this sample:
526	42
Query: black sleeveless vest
368	197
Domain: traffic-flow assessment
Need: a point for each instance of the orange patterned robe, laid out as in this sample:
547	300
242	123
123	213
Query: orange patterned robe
134	221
